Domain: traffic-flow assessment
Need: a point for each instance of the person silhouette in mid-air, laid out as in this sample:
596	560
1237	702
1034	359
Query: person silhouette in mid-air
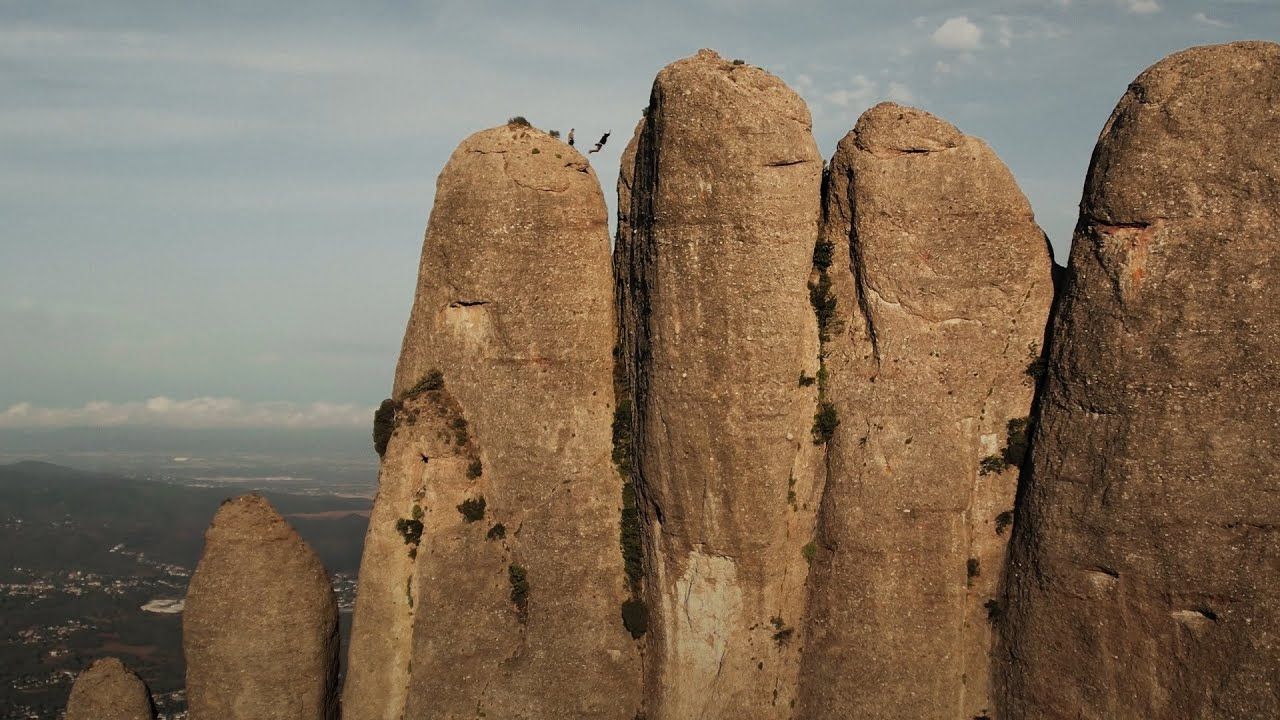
603	139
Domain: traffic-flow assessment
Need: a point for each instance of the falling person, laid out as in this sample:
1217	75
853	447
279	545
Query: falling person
603	139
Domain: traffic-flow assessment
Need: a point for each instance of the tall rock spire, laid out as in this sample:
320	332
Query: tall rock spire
939	286
493	581
1145	562
260	626
724	212
107	690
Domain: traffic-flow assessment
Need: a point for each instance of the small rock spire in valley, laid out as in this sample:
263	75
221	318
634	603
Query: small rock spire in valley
107	690
260	626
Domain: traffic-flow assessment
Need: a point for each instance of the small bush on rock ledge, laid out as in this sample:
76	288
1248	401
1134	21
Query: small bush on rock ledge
519	579
635	617
472	509
825	422
433	381
384	424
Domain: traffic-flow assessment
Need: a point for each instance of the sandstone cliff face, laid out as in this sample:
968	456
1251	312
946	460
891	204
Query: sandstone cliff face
107	690
260	627
1146	560
723	218
941	283
510	605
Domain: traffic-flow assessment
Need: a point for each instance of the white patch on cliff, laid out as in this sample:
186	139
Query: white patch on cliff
707	607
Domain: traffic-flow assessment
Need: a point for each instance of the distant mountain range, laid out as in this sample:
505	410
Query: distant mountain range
165	521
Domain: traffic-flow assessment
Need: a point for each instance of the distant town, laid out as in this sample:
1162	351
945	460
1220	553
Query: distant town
99	566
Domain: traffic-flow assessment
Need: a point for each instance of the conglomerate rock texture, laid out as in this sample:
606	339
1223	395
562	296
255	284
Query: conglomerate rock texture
724	213
941	282
107	690
260	625
1147	554
508	604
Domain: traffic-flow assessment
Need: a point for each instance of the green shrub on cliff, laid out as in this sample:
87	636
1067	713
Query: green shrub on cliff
1016	442
472	509
518	577
384	424
434	380
825	422
635	617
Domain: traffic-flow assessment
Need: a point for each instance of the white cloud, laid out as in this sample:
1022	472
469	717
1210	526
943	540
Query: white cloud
861	91
1202	18
1004	30
1141	7
200	412
958	33
899	92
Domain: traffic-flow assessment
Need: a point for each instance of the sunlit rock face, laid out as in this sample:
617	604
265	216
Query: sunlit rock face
941	282
260	625
505	598
107	690
717	329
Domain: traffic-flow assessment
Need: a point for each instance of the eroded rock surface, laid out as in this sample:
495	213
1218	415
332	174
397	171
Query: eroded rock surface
510	605
107	690
1147	558
723	218
941	284
260	625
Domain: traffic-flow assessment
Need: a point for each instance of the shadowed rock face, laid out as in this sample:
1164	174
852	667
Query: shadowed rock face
108	690
260	626
723	218
942	284
511	609
623	267
1146	560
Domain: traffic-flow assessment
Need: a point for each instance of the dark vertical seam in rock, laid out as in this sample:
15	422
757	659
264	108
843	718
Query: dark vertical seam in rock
1018	555
639	269
859	277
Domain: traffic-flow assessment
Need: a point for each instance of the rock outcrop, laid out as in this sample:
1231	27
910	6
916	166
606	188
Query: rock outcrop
107	690
260	626
935	282
492	582
1146	559
724	213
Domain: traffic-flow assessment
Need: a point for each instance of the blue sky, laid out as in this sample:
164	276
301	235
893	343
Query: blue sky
213	217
